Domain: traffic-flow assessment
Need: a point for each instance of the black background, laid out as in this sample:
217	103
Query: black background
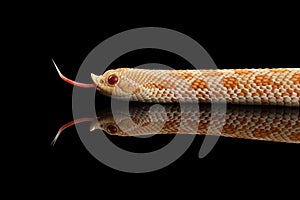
243	40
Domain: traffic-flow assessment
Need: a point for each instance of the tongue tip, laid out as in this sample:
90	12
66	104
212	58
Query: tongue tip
72	82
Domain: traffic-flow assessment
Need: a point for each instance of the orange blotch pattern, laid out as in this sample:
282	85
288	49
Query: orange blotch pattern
228	129
199	84
295	137
186	74
230	82
154	86
242	71
136	91
296	78
263	80
261	133
213	73
171	127
279	70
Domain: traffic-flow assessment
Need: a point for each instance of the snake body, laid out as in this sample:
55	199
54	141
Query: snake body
279	124
235	86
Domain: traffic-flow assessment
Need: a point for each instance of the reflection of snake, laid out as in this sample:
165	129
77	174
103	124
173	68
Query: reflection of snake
278	124
236	86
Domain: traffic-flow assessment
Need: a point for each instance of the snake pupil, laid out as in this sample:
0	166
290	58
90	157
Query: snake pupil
112	129
112	79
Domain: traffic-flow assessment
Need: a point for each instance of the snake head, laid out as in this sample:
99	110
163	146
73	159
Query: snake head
107	125
107	82
113	82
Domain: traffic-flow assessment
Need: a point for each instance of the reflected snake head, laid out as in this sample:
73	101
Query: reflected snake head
107	125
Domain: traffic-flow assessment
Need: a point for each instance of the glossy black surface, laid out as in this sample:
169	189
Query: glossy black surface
231	45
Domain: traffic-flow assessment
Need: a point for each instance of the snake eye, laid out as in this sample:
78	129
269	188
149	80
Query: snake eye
111	129
112	79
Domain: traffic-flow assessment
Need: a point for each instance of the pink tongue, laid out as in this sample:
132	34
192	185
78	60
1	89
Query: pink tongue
71	123
82	85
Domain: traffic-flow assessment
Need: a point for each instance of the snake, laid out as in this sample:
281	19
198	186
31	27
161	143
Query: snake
273	123
266	86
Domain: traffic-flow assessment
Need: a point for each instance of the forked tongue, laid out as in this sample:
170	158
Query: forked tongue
67	125
78	84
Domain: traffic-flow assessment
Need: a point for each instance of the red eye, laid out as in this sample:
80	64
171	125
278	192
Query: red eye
111	129
112	79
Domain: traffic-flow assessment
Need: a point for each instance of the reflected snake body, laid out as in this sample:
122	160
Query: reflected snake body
279	124
234	86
